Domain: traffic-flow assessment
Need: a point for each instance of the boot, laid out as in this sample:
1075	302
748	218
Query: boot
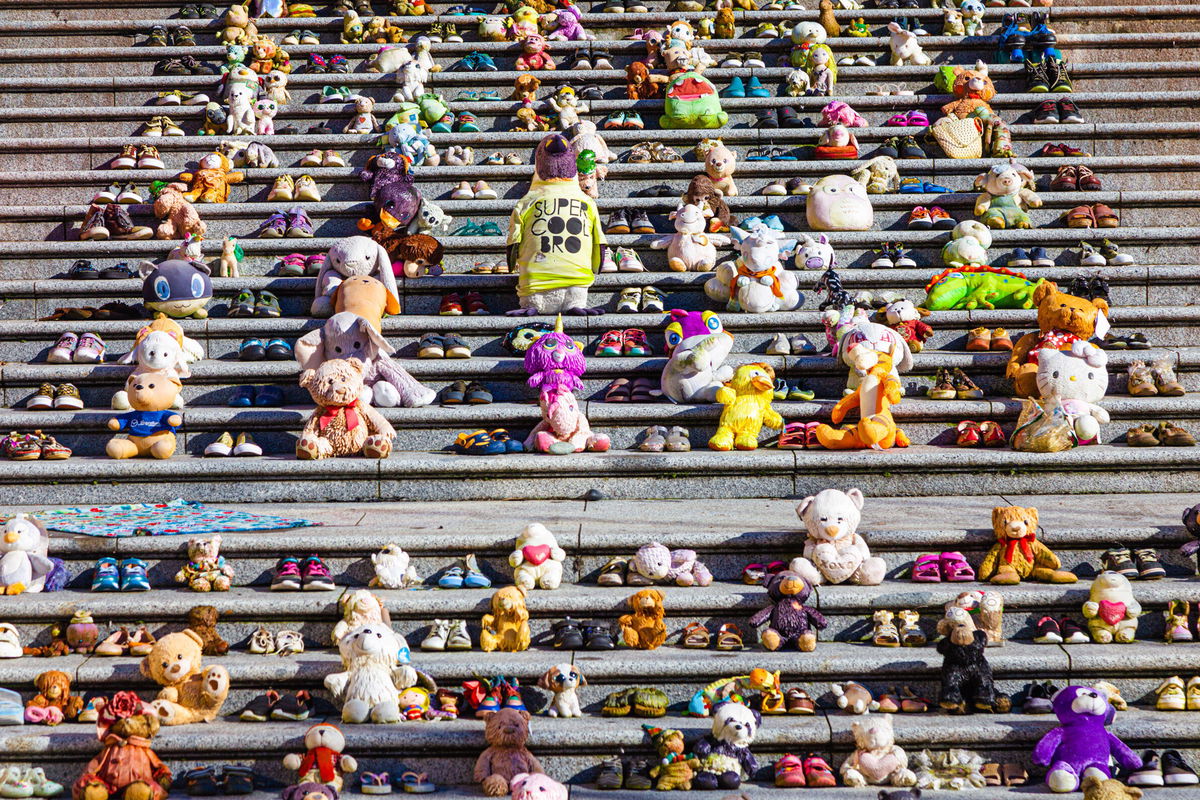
120	225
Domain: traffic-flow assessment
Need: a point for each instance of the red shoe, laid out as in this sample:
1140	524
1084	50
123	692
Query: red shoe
451	305
789	772
611	344
636	343
818	773
993	434
475	306
969	434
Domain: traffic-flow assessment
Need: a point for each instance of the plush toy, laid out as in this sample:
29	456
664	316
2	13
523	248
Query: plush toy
238	27
393	189
747	401
1097	788
274	84
211	181
150	426
834	551
690	248
696	345
972	90
724	754
239	117
191	691
81	632
491	29
1075	381
644	629
265	109
206	569
874	396
555	364
536	559
394	568
249	154
353	28
906	319
952	22
839	203
25	563
689	99
1063	320
564	680
179	217
853	697
966	675
986	609
364	120
176	287
324	760
359	608
372	674
126	766
837	142
342	424
1017	554
702	193
796	84
536	787
906	47
354	256
523	22
506	757
506	626
555	239
654	563
1111	610
789	621
203	621
567	105
822	71
877	760
968	244
1081	747
859	344
215	120
386	384
719	165
640	84
534	54
879	175
160	346
757	281
230	263
675	770
1006	197
838	112
54	702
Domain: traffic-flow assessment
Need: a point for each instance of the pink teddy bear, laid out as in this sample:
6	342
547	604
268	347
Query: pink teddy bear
838	112
534	55
568	27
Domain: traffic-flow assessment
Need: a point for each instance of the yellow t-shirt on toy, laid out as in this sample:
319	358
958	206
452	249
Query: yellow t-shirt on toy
557	228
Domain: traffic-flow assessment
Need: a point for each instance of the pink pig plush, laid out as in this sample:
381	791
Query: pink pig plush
536	787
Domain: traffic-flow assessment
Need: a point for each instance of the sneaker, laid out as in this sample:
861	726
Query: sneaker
436	639
1117	559
93	227
91	350
1114	256
1073	632
106	577
287	576
1149	568
1150	774
293	707
127	159
1047	113
64	349
129	195
618	222
629	261
639	222
1038	698
313	159
223	446
259	709
1068	112
148	158
120	224
133	576
1060	80
1175	770
42	400
1048	631
66	397
246	446
283	190
315	575
299	226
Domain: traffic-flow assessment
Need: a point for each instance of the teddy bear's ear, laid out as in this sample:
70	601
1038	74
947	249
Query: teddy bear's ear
144	667
856	496
997	516
1033	515
307	378
804	504
191	634
1043	291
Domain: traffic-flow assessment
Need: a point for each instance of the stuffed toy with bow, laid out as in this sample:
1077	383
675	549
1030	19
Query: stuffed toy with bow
1017	554
342	424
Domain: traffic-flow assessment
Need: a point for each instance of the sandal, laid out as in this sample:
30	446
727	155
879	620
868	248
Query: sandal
695	636
991	774
794	436
83	270
969	434
925	569
115	644
729	637
885	633
416	782
955	567
1141	436
618	391
654	439
613	573
678	440
911	634
1081	217
644	390
1012	774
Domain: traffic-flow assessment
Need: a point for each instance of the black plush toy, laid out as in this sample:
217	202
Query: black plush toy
966	674
791	622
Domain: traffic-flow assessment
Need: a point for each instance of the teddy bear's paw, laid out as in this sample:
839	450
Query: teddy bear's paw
216	683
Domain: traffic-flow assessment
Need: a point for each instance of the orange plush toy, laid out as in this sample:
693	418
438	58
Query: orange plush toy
874	397
644	629
640	84
1017	554
972	91
1063	319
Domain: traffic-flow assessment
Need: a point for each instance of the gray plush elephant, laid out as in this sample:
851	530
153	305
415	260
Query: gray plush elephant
348	258
347	335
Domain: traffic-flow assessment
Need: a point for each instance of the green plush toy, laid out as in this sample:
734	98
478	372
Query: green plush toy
979	287
691	101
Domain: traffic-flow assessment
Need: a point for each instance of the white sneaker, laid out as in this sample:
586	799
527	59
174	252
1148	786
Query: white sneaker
436	640
90	350
608	264
463	192
460	637
333	158
628	261
313	159
246	446
483	191
222	447
779	346
129	195
306	189
63	350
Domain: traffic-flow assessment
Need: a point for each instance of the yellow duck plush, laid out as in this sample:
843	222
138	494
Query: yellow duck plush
747	400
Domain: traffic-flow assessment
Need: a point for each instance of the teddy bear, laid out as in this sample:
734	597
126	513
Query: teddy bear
906	319
1081	746
675	769
179	217
969	243
238	27
211	181
525	88
906	47
372	674
359	608
640	84
324	760
206	569
966	675
1006	197
724	754
567	105
834	552
309	791
239	117
150	426
536	559
537	786
1111	610
877	760
126	766
203	620
54	702
838	203
506	756
528	120
1017	554
191	691
1063	320
972	89
25	564
654	563
987	609
644	629
350	257
266	56
393	568
534	55
719	165
341	424
789	621
701	192
1075	381
364	120
690	248
1098	788
506	626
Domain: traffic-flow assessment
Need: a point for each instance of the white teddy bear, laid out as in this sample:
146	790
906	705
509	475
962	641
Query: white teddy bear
372	674
656	563
878	760
1077	380
24	563
834	552
393	568
536	559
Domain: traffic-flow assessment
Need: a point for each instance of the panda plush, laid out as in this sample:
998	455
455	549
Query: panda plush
724	754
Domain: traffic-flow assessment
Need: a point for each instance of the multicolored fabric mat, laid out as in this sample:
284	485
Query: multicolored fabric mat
176	518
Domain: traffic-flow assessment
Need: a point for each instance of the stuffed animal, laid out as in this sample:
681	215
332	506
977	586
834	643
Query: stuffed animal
372	674
822	71
536	559
528	120
877	760
394	568
176	287
719	165
266	56
238	27
952	22
564	680
393	190
324	760
757	281
972	90
249	154
986	609
805	36
966	675
640	84
191	691
789	621
1017	554
654	563
506	626
524	22
554	367
1006	197
859	344
230	263
1075	381
150	426
1063	320
1097	788
506	757
690	100
853	698
906	319
178	216
275	85
239	117
126	766
354	256
359	608
211	181
834	552
24	564
206	569
215	120
690	248
836	143
265	110
567	105
1081	747
702	193
747	401
724	754
534	55
838	112
538	786
878	176
203	621
491	29
697	344
353	28
567	26
54	702
644	629
388	59
838	203
906	47
1111	610
796	84
342	424
160	346
675	770
877	391
364	120
968	244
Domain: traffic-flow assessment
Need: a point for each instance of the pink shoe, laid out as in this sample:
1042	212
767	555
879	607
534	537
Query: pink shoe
63	350
955	567
91	350
925	569
599	443
897	120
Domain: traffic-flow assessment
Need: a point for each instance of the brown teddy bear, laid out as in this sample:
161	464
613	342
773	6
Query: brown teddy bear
150	426
341	424
640	84
206	569
211	180
1098	788
703	193
644	629
191	691
1063	319
1017	554
525	88
506	756
179	217
506	627
203	621
126	765
54	691
674	770
972	91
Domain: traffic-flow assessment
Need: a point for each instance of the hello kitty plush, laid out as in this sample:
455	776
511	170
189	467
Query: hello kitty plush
265	110
1076	380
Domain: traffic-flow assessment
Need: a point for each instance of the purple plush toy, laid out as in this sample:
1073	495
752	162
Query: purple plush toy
555	362
1080	745
697	344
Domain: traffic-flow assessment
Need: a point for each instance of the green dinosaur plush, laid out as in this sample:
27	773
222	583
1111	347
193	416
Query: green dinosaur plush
979	287
691	101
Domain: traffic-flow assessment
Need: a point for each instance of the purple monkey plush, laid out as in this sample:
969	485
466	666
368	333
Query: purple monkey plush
555	362
1080	745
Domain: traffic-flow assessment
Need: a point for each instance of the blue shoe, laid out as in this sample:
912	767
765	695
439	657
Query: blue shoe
490	94
133	576
484	63
252	350
474	578
912	186
269	396
934	188
451	578
243	397
106	577
754	88
279	350
735	88
750	223
443	125
773	222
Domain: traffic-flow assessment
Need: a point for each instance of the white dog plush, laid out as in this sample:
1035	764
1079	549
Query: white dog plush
564	681
536	559
393	568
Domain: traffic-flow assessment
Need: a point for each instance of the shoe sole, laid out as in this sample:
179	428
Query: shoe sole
286	586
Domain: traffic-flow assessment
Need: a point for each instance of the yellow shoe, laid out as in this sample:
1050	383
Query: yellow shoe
1171	695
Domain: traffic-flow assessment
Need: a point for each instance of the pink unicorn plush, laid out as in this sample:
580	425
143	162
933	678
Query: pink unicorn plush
563	429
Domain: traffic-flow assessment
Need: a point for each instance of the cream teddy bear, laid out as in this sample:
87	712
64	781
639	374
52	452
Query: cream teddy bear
536	559
834	552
